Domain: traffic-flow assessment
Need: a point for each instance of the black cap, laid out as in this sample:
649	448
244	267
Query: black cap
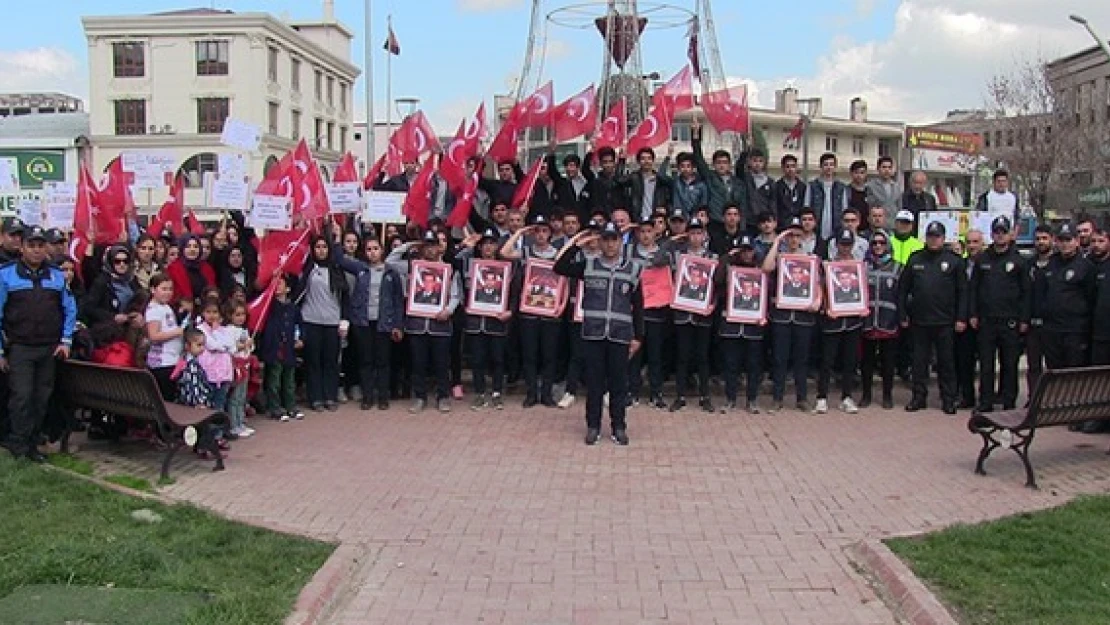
742	242
795	223
12	225
53	235
540	220
430	237
695	224
647	221
1065	231
610	230
1000	224
34	233
490	234
678	214
935	229
845	237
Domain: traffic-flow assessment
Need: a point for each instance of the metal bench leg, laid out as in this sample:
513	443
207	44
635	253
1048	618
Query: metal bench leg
208	442
173	445
989	445
1021	448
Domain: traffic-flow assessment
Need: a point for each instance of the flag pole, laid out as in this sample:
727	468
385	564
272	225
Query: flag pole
369	59
389	83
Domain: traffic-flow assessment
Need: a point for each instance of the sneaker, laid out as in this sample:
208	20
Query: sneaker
444	404
566	401
479	402
235	433
849	406
657	402
298	415
317	406
342	396
822	406
620	437
753	407
706	404
678	404
356	393
498	402
728	407
245	432
457	391
284	418
417	406
249	430
592	436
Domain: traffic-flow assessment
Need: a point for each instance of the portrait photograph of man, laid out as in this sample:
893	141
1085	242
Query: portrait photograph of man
489	282
797	282
429	285
845	284
544	290
746	303
695	284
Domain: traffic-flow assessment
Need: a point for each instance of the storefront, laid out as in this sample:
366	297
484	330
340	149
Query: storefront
950	160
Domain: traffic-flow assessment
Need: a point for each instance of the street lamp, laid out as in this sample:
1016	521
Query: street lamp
1082	21
407	106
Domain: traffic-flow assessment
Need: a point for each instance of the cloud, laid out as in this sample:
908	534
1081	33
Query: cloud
42	69
939	56
556	50
488	5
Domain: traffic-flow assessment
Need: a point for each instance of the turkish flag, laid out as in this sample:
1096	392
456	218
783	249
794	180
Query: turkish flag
654	130
504	146
614	128
678	91
418	202
536	110
460	214
577	116
793	139
414	137
86	200
727	109
453	166
282	251
310	201
371	178
196	226
113	201
346	171
258	309
78	249
172	211
524	190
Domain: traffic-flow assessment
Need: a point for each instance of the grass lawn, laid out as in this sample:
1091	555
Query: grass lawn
1050	567
61	530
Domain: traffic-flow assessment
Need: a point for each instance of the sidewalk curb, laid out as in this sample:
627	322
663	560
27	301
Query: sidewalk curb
322	592
900	588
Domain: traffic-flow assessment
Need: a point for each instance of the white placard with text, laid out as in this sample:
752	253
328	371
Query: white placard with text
271	212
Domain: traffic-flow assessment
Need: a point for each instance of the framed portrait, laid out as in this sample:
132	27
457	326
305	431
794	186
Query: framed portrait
846	288
544	292
488	295
694	284
579	315
747	295
797	282
429	288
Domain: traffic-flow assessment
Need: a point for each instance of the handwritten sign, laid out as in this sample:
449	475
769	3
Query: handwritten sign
232	165
228	192
271	212
60	201
30	212
9	175
240	134
152	169
344	197
384	207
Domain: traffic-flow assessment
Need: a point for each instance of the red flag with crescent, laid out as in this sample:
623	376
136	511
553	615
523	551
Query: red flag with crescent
576	116
614	128
654	130
524	190
727	109
535	111
678	91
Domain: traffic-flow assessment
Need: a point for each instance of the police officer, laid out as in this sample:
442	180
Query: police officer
612	324
1034	341
999	311
933	304
1069	295
37	319
11	239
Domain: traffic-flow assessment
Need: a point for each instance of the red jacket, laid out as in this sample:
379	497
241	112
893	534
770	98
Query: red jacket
182	287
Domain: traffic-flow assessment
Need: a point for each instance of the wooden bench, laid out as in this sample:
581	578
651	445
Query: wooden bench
134	393
1062	397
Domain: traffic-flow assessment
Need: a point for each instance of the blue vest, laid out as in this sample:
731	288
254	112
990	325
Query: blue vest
607	300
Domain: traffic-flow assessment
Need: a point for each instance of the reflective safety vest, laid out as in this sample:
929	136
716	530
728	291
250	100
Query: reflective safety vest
607	300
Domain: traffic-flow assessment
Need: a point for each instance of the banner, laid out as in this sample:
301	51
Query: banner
271	212
930	138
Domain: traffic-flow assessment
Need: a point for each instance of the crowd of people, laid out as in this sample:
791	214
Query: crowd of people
341	326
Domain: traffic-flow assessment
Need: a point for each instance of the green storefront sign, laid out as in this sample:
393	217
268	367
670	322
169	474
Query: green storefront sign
38	166
1095	196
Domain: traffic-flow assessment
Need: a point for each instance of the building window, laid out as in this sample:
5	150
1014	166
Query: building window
343	97
680	131
342	138
274	111
319	133
831	143
986	139
331	135
886	147
1033	135
23	110
212	58
997	138
857	146
128	60
211	114
1010	138
130	117
272	63
295	125
1047	134
295	74
331	91
192	171
319	85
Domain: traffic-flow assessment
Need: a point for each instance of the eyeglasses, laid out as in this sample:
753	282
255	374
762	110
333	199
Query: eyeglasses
877	243
121	261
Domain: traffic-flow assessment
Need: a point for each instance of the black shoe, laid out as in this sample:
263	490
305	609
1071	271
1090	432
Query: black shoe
35	456
865	400
678	404
549	403
530	401
383	404
706	404
620	437
331	406
967	404
949	408
984	408
1093	427
592	436
915	405
658	403
318	406
888	402
366	405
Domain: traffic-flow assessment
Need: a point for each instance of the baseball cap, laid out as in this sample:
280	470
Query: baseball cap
12	225
53	235
678	214
935	229
1000	224
647	221
540	220
795	223
742	242
430	237
610	230
695	224
34	233
1065	231
490	234
903	215
845	237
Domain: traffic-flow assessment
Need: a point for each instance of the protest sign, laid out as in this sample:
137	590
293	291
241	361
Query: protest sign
384	207
240	134
344	197
271	212
59	200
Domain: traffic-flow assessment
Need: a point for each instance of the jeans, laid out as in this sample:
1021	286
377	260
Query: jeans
31	382
693	348
846	346
237	405
487	354
374	349
281	389
791	351
321	359
606	371
746	353
431	356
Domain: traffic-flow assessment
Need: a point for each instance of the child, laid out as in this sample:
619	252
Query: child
216	359
278	352
164	334
236	315
192	382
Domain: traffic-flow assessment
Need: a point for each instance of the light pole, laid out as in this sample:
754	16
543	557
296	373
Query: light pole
1082	21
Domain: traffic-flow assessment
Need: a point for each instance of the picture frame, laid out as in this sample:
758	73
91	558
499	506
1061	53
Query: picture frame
846	289
796	287
543	292
429	288
747	296
694	288
488	292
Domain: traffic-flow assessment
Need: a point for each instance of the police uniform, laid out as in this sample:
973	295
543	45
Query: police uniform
742	343
933	298
1070	285
486	336
693	333
880	328
612	317
1034	340
791	339
539	336
839	345
430	346
999	300
656	326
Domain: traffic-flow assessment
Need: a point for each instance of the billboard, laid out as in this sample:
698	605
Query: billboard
932	139
37	166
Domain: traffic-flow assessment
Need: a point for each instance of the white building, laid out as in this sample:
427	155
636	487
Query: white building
166	82
18	104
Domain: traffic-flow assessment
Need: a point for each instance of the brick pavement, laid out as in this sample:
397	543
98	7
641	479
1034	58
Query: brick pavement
508	518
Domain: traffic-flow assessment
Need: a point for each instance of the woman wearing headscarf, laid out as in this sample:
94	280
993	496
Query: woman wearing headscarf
111	293
145	266
190	274
233	271
322	297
